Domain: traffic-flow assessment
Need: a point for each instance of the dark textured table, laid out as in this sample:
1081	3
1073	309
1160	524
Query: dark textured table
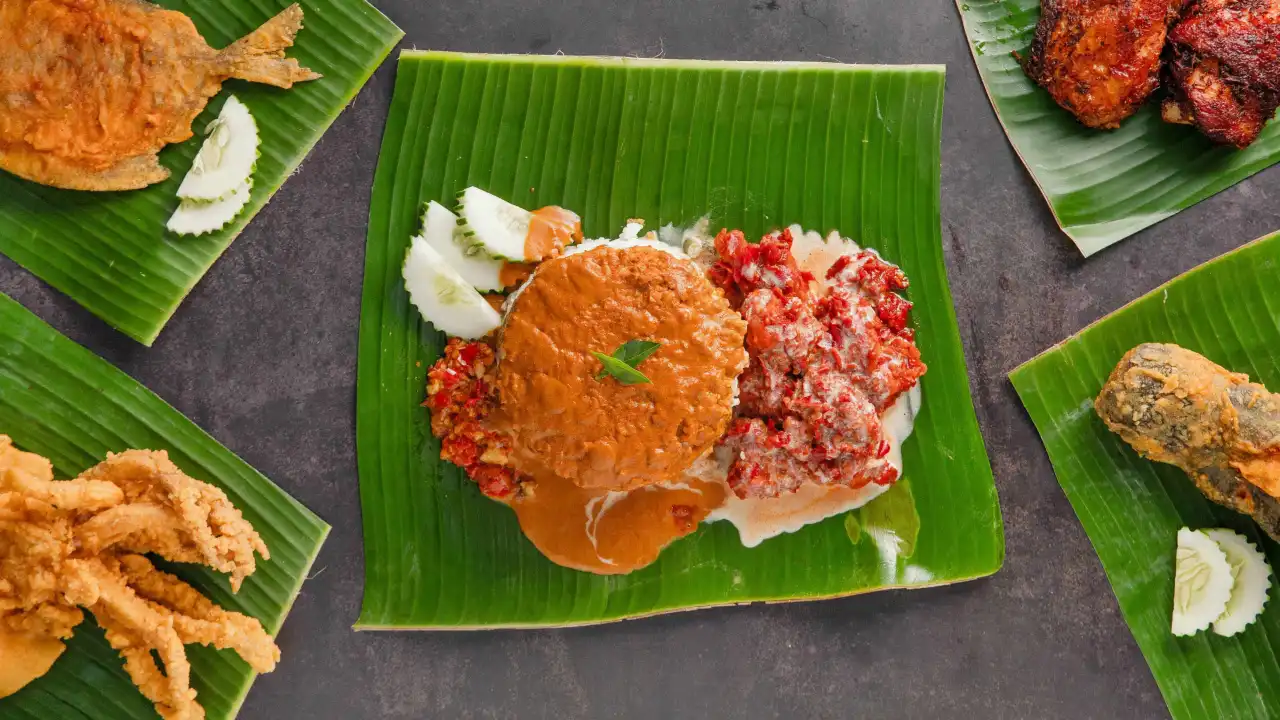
263	356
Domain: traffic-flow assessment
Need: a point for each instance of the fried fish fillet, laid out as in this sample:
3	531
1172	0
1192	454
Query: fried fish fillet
1175	406
1100	59
91	90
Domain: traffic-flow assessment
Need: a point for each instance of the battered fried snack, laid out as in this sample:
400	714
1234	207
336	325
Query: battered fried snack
72	544
1175	406
165	512
91	90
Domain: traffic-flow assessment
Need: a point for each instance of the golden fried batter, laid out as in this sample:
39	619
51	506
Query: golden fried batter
1175	406
91	90
72	544
175	516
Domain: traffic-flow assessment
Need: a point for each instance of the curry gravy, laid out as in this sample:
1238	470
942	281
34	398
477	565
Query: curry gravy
564	420
25	657
550	230
608	532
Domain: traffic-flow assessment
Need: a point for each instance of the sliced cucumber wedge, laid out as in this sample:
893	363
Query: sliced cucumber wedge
1252	581
227	157
493	226
194	217
440	230
1202	583
443	297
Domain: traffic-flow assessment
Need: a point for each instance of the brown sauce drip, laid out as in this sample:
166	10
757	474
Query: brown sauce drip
551	230
513	274
629	534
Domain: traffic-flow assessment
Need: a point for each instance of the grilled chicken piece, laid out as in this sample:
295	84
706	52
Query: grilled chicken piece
1225	69
1175	406
1100	59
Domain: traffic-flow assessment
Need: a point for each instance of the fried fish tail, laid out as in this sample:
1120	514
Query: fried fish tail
1177	407
259	56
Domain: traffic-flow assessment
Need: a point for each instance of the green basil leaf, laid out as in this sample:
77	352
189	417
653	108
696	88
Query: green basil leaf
634	352
621	371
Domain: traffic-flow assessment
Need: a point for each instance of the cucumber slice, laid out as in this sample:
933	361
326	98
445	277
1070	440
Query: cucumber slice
1252	581
227	157
194	217
439	227
1202	583
493	226
443	297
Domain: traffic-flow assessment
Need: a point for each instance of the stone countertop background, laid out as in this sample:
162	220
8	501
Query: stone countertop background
262	355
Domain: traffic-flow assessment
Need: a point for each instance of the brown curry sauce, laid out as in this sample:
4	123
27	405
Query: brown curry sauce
575	528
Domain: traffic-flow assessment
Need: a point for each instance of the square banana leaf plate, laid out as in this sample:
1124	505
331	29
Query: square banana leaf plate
1229	311
1102	185
111	252
756	145
61	401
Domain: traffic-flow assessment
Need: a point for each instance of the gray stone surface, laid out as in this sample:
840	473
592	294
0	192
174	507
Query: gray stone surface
263	356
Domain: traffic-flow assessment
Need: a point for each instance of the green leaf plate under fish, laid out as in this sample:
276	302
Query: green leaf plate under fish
758	146
1229	311
111	252
61	401
1102	185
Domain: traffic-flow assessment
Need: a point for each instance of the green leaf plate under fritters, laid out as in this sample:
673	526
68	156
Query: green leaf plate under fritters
757	145
61	401
1102	185
1229	311
111	251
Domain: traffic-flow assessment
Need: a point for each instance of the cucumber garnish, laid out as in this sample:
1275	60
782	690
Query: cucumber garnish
227	157
1202	583
194	217
443	297
1252	581
493	226
440	230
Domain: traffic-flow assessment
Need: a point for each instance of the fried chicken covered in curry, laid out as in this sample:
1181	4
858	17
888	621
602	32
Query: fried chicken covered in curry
73	545
1225	69
91	90
1100	59
1175	406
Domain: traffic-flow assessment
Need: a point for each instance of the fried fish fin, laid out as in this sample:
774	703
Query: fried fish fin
259	56
131	174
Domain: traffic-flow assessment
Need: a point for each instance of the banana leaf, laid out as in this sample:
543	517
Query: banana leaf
1229	311
1102	185
59	400
756	145
111	252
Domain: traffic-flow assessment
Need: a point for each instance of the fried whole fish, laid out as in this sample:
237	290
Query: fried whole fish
91	90
1175	406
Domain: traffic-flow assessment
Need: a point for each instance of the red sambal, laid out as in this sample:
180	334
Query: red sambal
459	395
823	370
